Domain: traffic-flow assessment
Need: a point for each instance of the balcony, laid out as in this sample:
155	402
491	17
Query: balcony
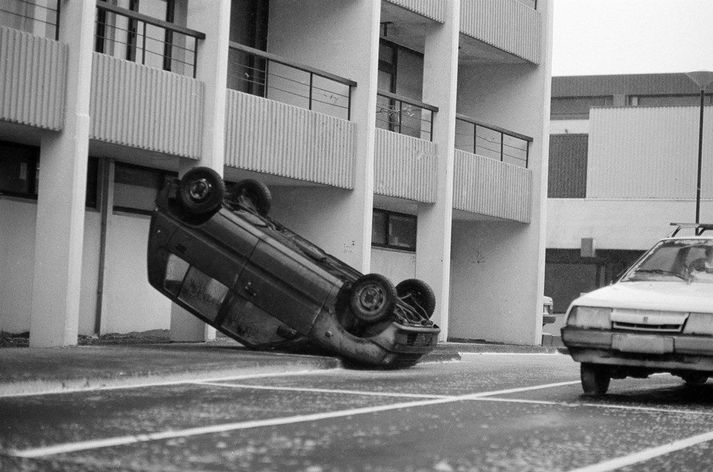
146	108
492	141
288	119
433	9
491	188
32	79
512	26
491	176
404	155
125	34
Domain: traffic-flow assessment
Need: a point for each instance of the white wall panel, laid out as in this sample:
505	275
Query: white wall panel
648	153
271	137
33	73
509	25
493	188
144	107
404	167
433	9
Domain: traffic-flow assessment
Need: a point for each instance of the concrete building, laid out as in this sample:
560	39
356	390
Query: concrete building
406	137
623	166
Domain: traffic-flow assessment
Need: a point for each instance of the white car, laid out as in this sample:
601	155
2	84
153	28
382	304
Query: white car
658	317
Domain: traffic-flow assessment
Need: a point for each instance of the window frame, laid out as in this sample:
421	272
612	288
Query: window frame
387	230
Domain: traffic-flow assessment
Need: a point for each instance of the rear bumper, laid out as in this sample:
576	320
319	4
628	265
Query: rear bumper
660	352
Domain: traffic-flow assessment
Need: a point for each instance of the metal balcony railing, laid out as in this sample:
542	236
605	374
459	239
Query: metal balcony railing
491	141
140	38
404	116
270	76
39	17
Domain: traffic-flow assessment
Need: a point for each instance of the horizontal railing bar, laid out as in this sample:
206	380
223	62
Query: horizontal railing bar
408	101
494	128
149	20
287	62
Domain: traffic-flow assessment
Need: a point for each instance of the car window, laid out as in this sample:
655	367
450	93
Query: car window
690	260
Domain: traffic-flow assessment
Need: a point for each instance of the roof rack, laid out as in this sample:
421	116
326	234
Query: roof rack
698	228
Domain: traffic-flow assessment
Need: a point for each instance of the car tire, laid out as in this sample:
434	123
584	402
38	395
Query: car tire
418	294
695	378
372	298
254	195
201	191
595	379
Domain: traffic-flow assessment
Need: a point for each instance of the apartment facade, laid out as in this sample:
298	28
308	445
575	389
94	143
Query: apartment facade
405	137
623	165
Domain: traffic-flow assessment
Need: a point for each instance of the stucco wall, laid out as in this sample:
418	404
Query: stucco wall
130	303
17	248
493	286
396	265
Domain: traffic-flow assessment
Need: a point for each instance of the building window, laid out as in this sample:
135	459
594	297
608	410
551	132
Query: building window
393	230
136	188
668	100
20	172
577	108
567	172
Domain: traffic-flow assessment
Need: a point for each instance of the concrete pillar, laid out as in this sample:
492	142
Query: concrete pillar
341	38
59	236
211	17
440	84
363	51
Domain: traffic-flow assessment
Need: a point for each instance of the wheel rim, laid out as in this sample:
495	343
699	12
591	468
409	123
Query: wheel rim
371	298
199	190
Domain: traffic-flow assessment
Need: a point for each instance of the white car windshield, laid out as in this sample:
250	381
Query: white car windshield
689	260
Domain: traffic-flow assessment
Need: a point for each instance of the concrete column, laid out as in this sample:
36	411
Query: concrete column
213	18
440	84
59	236
341	38
358	215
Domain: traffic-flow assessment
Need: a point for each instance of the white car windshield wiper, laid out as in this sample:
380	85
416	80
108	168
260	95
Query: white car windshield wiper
660	271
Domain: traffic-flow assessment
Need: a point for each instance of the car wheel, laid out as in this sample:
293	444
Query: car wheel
254	195
372	298
695	378
201	191
595	379
418	294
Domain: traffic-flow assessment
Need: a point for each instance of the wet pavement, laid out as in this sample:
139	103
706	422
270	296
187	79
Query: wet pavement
499	411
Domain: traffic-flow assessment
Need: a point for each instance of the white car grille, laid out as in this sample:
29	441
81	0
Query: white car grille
648	320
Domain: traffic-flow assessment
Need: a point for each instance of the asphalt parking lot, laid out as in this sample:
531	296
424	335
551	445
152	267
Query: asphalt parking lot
499	411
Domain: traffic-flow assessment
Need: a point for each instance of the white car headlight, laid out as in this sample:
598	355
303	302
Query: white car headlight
589	317
699	323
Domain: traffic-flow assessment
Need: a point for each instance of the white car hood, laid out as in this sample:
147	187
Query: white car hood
665	296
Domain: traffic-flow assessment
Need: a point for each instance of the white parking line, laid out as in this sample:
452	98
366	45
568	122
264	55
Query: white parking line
599	405
141	438
128	384
325	390
646	454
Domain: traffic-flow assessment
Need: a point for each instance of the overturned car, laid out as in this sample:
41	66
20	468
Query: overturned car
215	252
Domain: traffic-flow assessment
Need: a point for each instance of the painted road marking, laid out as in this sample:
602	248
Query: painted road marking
141	438
646	454
165	383
326	390
644	409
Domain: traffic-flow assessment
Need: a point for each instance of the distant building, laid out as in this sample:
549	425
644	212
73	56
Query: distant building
406	137
623	166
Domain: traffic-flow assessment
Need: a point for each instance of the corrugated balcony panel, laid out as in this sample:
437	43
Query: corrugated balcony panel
508	25
266	136
144	107
492	188
404	167
433	9
648	153
33	73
